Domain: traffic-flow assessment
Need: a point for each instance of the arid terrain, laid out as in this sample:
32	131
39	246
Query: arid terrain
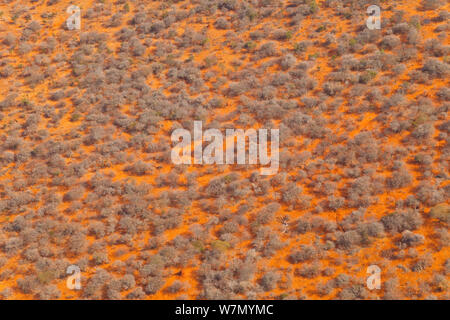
86	176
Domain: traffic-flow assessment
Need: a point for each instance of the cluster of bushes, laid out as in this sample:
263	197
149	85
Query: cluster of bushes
84	166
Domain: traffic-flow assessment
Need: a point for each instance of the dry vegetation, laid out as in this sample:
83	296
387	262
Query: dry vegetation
86	177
